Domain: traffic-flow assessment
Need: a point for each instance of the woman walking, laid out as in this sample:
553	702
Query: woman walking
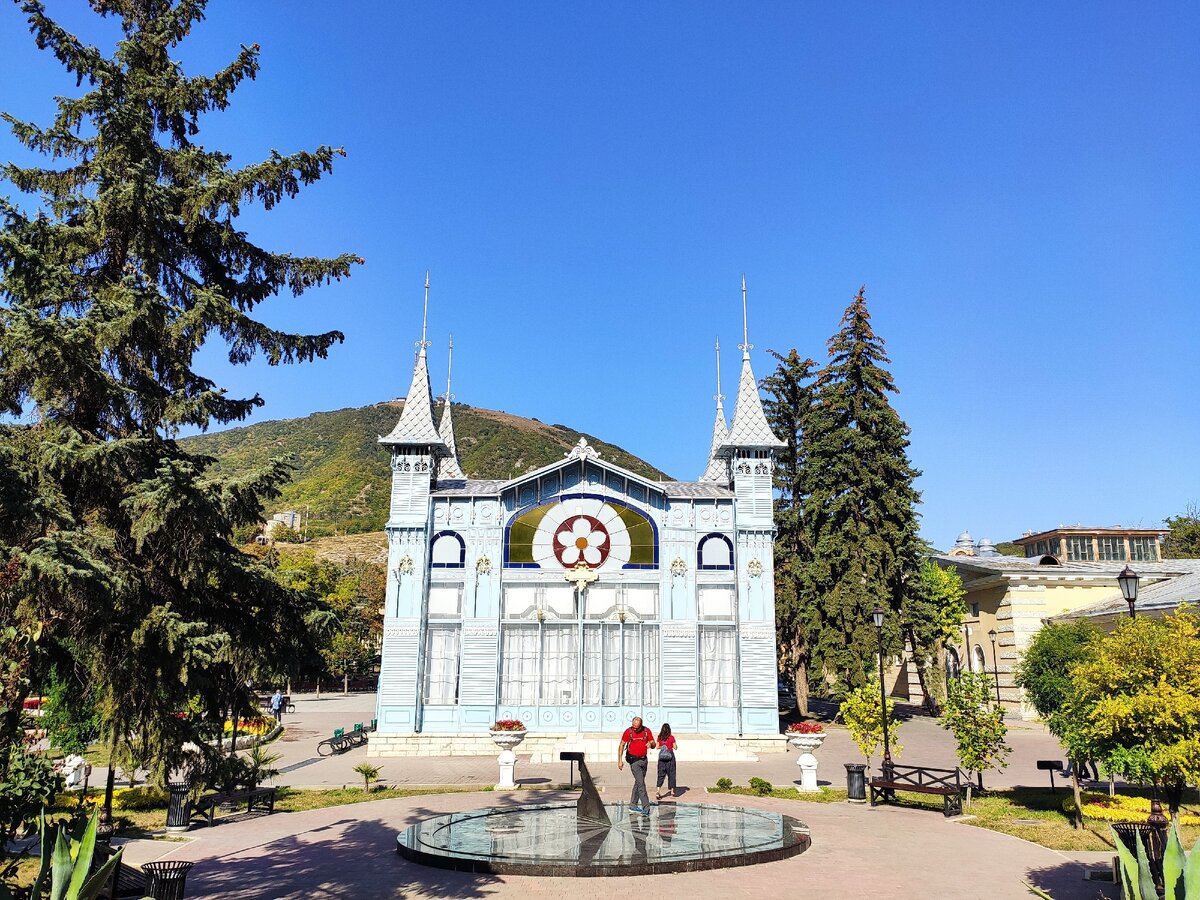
666	761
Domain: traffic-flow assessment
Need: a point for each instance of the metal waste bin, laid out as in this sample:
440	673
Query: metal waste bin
1154	843
164	880
179	806
856	782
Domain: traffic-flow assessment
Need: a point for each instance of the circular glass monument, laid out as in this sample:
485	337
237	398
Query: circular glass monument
603	840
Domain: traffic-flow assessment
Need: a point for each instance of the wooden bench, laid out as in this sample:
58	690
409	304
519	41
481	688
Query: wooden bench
262	797
344	740
921	780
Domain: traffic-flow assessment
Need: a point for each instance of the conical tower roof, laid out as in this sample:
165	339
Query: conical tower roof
749	428
717	470
449	468
416	428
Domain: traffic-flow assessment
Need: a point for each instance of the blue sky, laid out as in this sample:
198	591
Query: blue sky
1017	186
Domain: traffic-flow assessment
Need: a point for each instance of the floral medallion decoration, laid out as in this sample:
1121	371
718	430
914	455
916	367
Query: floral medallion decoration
755	568
582	539
678	566
483	565
405	566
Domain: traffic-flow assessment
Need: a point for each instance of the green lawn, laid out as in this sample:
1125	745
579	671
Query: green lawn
1033	814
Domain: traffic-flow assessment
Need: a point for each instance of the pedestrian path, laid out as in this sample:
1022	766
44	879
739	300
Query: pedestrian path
885	853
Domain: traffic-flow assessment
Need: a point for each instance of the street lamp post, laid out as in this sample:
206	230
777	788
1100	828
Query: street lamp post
877	616
1128	580
995	667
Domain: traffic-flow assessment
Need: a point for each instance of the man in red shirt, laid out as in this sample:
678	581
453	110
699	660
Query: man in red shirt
636	743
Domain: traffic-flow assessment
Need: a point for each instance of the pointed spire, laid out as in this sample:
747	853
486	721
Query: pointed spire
449	468
749	428
416	427
718	468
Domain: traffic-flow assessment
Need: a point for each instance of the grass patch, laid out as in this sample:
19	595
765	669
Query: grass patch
826	795
300	799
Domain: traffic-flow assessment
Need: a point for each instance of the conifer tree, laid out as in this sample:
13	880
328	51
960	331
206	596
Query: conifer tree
859	512
788	403
123	260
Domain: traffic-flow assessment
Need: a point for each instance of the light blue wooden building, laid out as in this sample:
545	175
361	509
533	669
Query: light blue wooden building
581	594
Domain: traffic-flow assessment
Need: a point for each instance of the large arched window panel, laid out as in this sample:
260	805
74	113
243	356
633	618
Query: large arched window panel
714	553
448	551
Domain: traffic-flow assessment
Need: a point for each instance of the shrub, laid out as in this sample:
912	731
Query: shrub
369	773
761	786
860	712
724	784
31	783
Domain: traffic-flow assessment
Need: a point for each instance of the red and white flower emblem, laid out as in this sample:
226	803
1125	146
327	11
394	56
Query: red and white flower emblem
581	539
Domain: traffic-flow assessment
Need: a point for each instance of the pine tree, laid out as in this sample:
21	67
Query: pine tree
124	262
858	508
788	403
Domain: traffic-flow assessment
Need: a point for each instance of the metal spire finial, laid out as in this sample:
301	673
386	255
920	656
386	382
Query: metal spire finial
718	396
745	346
449	363
423	344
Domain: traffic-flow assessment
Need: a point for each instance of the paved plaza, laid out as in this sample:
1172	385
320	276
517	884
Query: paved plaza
349	851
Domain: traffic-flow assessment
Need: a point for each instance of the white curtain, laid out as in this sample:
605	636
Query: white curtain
718	680
560	656
650	665
441	664
518	663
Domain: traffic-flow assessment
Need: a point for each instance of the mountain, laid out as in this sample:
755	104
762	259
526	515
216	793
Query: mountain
342	472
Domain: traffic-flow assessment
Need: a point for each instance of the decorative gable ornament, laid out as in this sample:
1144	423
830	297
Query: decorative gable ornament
678	566
582	450
406	565
483	566
755	568
581	575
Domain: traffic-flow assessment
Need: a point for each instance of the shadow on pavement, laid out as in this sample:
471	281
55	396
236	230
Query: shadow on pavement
1066	882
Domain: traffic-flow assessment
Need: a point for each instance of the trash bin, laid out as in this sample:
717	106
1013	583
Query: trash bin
164	880
1154	838
856	782
179	806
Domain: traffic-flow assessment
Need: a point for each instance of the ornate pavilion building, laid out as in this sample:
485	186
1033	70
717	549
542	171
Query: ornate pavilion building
579	595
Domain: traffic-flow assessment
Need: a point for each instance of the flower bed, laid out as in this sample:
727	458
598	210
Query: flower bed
1120	808
805	728
257	726
509	725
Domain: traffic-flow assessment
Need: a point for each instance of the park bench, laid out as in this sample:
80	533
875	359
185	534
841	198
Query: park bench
261	797
344	740
264	702
921	780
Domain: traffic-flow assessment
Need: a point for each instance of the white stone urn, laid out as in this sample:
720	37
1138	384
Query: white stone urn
807	744
506	741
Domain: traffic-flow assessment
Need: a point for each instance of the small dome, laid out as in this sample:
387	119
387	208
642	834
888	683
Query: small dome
987	548
964	540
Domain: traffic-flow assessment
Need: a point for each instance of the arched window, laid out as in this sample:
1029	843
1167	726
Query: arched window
980	659
953	666
448	551
715	551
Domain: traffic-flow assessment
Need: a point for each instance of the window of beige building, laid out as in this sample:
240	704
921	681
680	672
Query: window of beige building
1143	548
1079	549
1112	548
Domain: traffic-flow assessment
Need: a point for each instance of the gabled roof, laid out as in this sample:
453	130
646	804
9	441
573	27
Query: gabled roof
583	452
717	471
449	467
416	428
750	428
1157	599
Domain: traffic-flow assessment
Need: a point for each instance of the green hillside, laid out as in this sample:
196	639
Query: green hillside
342	472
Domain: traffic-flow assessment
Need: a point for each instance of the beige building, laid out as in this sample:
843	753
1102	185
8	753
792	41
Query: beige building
1014	597
1081	543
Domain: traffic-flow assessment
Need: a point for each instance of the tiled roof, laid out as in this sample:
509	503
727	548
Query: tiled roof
750	428
1156	569
718	469
464	487
695	490
449	468
416	427
1162	597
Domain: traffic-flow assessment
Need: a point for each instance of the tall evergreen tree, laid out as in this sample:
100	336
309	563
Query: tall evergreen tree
859	503
788	405
124	262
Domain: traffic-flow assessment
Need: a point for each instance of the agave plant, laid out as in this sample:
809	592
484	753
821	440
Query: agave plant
1181	871
66	863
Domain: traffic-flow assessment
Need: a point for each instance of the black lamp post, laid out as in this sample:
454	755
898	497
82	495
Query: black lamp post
1128	580
995	667
877	616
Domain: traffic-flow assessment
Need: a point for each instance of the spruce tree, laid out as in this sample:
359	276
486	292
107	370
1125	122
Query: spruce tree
123	260
858	508
788	403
